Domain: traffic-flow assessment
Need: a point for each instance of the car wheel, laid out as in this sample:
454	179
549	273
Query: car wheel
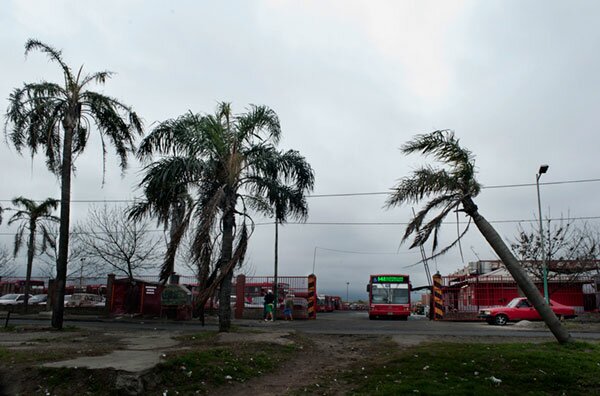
371	317
490	321
501	320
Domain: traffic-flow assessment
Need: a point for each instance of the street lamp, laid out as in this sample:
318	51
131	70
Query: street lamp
543	169
347	284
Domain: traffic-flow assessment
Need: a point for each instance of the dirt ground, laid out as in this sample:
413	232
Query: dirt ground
119	353
321	359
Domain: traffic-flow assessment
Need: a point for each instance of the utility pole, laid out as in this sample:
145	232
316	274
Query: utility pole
543	169
347	285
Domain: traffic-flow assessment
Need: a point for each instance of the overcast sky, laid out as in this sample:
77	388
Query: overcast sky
351	82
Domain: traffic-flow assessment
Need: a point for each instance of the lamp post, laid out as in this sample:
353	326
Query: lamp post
347	284
543	169
81	274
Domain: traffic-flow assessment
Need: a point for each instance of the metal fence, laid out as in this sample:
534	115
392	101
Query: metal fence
470	293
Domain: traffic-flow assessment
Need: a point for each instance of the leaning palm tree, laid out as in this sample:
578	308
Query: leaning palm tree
228	164
32	216
58	120
450	190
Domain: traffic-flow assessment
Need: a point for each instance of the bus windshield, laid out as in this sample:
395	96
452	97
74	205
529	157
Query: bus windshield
390	293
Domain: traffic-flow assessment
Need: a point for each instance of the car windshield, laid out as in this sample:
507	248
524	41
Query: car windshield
514	302
9	297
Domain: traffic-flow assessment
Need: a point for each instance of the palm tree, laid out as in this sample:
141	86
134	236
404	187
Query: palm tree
58	120
453	189
31	217
228	164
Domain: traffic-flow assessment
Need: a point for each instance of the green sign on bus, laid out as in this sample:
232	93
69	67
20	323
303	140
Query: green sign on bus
389	279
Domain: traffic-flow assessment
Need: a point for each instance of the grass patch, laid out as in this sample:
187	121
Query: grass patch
8	329
69	381
200	337
470	369
201	370
16	357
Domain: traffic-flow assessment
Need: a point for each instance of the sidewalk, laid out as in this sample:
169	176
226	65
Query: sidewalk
208	320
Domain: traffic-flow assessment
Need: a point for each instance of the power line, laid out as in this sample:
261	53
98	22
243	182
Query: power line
355	194
365	253
337	223
384	223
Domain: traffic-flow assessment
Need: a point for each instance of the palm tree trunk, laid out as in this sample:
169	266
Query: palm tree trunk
58	308
519	275
225	289
30	253
275	282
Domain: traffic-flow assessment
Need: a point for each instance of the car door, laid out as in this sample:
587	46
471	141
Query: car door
527	311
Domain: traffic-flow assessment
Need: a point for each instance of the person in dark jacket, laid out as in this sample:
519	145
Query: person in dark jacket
269	305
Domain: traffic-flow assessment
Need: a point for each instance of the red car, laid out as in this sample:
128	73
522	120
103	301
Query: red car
520	309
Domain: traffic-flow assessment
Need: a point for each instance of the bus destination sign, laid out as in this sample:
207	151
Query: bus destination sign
389	279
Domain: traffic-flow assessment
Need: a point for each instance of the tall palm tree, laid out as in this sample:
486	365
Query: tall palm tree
228	164
285	202
58	120
453	189
31	217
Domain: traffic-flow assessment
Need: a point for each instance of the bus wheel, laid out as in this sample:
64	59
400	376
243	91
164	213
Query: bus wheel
404	317
371	317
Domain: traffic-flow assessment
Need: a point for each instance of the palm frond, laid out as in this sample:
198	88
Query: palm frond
415	224
442	144
110	117
98	77
447	188
18	244
259	122
424	182
54	55
178	136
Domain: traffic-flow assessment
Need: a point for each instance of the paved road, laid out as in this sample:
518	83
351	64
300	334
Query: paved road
352	322
345	322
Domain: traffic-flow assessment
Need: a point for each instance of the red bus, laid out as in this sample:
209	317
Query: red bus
324	303
389	296
18	287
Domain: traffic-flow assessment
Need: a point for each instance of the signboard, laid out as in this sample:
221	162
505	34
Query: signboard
390	279
176	295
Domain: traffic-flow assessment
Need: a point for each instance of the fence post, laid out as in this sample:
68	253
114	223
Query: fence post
51	294
438	302
240	296
174	279
312	296
108	304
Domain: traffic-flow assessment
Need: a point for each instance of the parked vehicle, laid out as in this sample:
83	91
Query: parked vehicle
521	309
389	296
13	299
39	299
85	300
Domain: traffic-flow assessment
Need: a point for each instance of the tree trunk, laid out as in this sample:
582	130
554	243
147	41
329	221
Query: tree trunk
225	289
58	309
275	282
30	253
520	276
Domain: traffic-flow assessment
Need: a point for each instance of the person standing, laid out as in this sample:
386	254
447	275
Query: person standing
269	305
289	308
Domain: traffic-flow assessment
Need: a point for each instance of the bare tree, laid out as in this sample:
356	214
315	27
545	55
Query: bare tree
7	263
124	245
570	250
79	264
